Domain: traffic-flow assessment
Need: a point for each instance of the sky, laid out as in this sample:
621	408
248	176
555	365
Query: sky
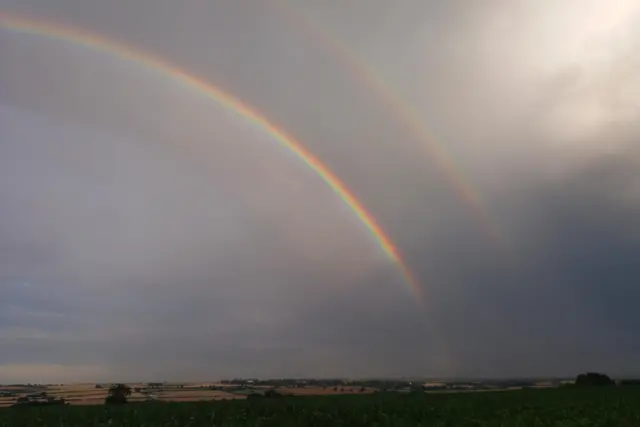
148	233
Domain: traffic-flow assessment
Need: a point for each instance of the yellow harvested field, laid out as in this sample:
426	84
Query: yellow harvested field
88	394
6	401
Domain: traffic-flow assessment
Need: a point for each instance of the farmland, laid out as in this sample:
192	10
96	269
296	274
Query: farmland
565	406
237	389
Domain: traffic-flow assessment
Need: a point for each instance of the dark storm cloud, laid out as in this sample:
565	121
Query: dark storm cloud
580	249
567	307
219	256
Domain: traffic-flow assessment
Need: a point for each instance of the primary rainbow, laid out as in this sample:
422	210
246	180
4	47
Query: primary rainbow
403	111
81	37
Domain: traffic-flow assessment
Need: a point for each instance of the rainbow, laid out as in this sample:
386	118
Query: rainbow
201	86
403	111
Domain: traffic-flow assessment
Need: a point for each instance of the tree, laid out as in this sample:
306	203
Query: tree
118	394
593	379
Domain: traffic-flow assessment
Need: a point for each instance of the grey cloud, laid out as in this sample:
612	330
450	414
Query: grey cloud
124	254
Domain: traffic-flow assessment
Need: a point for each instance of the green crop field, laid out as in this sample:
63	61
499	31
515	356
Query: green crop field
608	406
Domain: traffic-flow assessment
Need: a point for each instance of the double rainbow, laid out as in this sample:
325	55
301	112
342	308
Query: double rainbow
116	49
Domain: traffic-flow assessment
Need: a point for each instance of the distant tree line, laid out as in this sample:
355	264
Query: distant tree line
593	379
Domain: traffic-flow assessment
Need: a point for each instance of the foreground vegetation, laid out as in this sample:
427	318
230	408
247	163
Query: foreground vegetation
567	406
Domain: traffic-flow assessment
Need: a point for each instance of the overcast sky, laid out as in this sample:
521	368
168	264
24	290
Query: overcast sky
148	233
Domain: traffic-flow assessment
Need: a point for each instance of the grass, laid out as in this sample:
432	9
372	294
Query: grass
564	407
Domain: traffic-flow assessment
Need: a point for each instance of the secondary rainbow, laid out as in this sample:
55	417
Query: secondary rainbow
203	87
403	111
